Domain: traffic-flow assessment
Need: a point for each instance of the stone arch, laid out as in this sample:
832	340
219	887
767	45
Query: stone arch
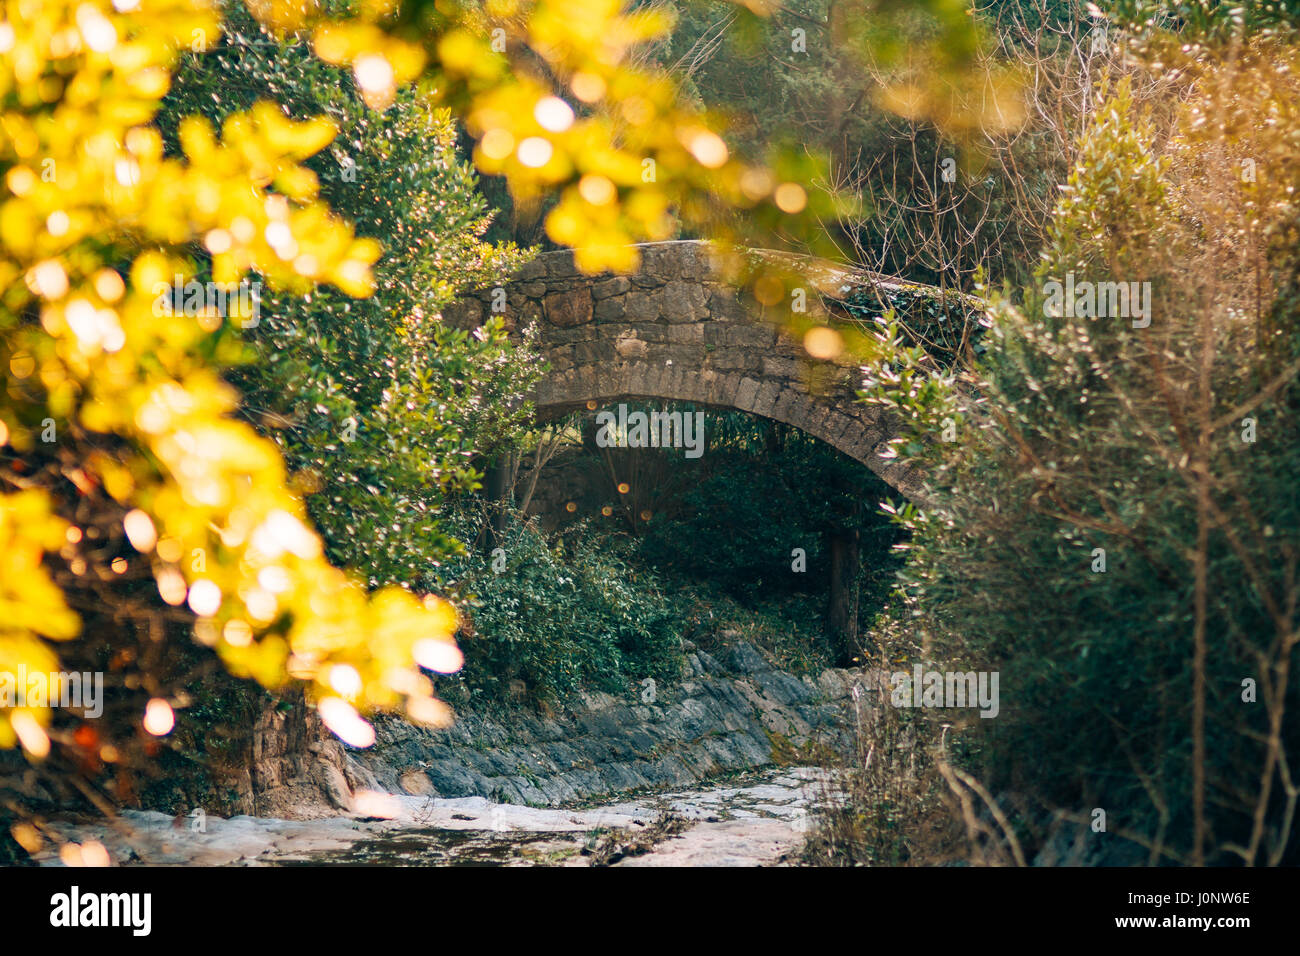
675	330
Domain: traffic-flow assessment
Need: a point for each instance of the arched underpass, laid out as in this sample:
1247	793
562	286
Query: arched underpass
677	331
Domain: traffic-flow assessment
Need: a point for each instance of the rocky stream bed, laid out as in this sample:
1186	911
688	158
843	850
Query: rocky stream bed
753	819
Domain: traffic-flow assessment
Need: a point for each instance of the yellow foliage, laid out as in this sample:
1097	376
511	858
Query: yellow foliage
96	223
31	606
648	158
87	190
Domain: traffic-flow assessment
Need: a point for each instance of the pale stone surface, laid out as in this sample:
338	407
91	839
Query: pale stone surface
742	842
760	822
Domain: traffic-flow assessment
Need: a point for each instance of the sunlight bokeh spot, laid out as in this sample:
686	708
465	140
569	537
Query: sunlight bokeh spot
159	718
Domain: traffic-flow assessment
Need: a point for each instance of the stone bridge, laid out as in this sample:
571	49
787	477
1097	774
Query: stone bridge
677	331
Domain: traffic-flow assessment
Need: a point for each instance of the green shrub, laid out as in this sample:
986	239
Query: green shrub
1104	532
378	407
761	490
562	617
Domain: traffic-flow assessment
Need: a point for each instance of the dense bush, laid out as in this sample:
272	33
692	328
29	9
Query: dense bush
146	534
1116	529
562	616
377	407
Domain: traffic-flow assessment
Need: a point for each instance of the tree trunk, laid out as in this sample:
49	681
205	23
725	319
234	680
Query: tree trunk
589	432
842	614
498	487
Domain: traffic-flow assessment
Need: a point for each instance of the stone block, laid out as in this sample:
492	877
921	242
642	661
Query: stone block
536	269
775	367
725	307
567	309
610	287
559	265
765	401
682	302
790	407
692	334
752	336
731	359
587	353
642	307
610	310
746	393
630	347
